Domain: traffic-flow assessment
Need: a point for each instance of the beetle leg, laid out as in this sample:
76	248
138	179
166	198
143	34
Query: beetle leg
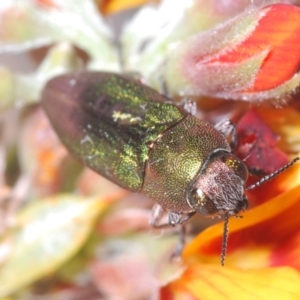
156	216
176	218
227	128
135	75
179	219
181	243
164	87
189	106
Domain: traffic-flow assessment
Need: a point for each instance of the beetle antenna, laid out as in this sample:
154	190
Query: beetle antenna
225	239
272	175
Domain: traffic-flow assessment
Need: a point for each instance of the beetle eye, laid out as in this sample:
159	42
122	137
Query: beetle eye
236	165
201	203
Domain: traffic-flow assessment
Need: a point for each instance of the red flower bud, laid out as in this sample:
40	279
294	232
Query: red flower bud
279	32
252	57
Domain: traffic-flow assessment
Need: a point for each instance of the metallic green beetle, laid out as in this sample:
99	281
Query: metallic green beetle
137	138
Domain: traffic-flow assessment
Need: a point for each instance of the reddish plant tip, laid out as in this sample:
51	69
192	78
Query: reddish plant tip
281	28
253	57
46	3
279	32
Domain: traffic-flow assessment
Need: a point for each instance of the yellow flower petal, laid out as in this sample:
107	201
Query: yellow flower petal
286	123
212	282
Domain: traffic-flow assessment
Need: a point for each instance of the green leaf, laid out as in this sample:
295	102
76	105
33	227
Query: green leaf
7	79
22	89
61	58
26	25
50	232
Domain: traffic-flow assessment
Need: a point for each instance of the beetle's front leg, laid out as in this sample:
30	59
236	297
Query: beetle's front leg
227	128
156	216
182	238
174	219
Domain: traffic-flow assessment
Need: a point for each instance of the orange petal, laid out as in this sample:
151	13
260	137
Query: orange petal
46	3
114	6
212	282
259	231
279	185
287	252
41	154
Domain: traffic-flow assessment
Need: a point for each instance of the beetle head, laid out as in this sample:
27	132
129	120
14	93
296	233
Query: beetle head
219	186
